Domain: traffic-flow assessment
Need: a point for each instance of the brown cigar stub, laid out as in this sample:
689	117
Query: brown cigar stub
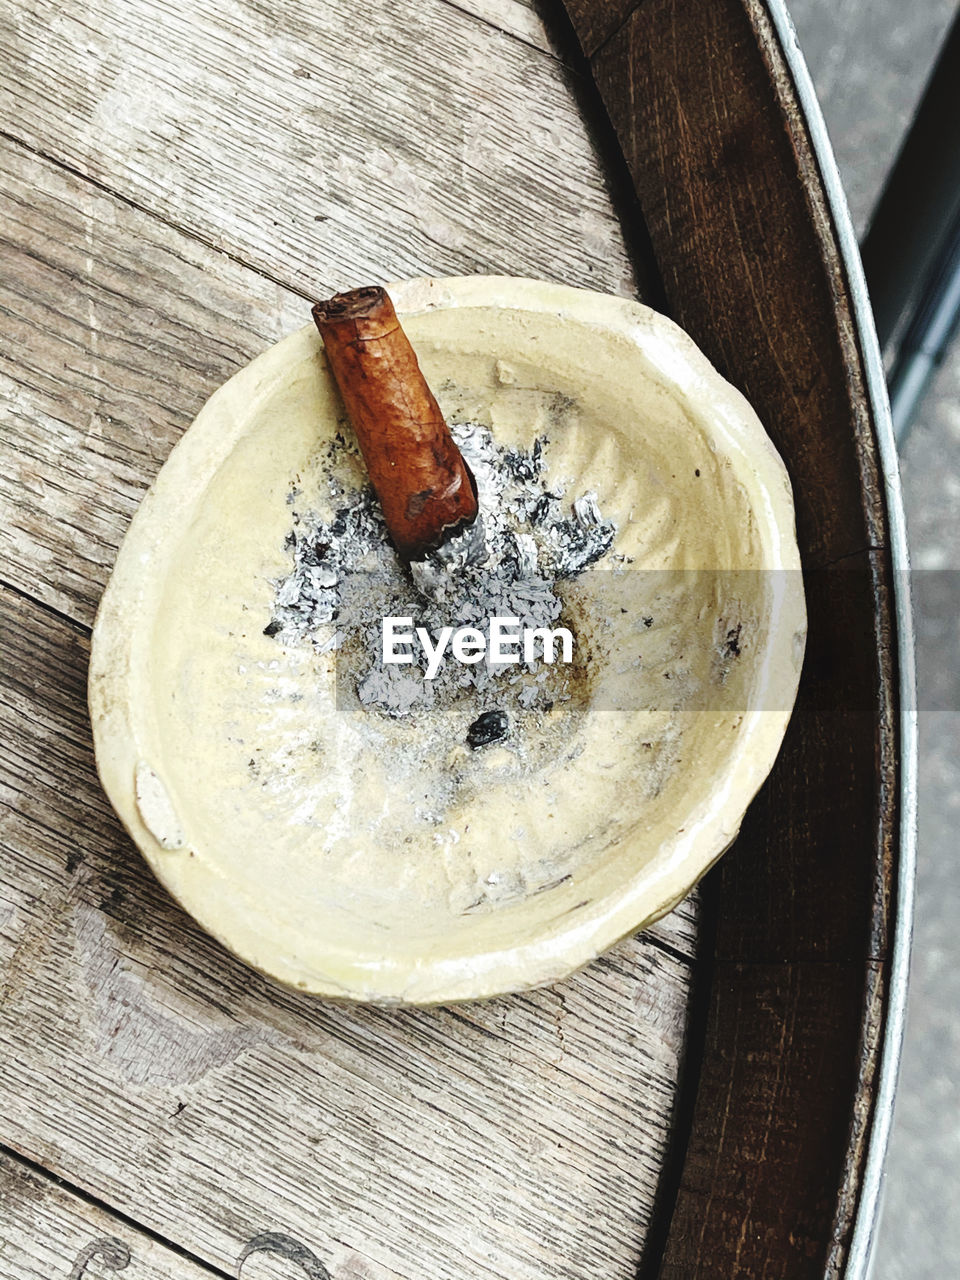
424	486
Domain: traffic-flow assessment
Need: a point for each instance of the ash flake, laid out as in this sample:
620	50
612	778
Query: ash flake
507	564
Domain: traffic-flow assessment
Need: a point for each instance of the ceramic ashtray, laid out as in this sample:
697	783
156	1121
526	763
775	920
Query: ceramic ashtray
380	770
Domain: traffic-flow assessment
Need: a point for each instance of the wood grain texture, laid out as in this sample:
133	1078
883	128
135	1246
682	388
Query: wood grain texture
744	243
703	107
193	1095
50	1234
775	1097
518	1138
118	328
328	145
523	1137
594	24
518	18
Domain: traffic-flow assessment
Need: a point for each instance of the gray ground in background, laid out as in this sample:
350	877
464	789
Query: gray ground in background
869	59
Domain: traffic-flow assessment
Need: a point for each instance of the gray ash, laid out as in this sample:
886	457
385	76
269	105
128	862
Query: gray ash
346	577
323	554
584	539
524	465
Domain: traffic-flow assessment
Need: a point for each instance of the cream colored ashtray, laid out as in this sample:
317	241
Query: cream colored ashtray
356	831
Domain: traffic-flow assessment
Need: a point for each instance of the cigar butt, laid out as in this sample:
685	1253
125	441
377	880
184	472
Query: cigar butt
425	488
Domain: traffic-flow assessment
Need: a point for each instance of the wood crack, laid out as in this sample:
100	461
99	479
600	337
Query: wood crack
81	628
505	31
124	1219
440	1142
191	234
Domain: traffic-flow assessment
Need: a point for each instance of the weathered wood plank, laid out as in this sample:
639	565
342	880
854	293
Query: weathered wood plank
116	329
47	1232
327	145
594	23
119	327
517	1138
519	18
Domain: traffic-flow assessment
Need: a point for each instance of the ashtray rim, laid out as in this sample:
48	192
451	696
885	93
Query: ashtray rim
645	898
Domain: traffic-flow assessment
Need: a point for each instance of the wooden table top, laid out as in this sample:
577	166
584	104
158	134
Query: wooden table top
178	181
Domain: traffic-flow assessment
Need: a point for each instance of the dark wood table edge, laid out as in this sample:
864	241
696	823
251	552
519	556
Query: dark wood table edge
897	963
594	26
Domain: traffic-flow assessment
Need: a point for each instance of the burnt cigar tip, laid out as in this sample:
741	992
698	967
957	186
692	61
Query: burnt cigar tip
353	305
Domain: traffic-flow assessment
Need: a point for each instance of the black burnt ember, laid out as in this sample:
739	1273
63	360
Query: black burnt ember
492	726
732	646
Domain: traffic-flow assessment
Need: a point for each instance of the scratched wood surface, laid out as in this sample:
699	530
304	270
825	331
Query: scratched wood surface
46	1231
322	144
175	179
518	1137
